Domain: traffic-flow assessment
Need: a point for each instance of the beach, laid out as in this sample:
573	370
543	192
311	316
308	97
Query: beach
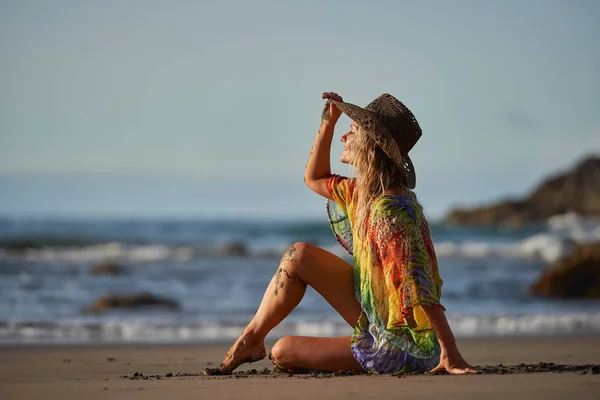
163	168
141	371
132	309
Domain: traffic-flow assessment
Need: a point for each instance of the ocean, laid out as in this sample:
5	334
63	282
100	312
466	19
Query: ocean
217	271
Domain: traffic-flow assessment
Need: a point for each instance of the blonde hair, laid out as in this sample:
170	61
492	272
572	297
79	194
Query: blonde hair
375	173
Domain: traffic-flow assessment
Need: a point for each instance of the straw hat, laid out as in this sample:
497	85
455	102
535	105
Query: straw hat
393	127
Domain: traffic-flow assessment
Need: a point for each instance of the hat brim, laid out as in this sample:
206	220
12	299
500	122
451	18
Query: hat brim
371	124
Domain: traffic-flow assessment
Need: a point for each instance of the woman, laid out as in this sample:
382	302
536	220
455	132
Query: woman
391	295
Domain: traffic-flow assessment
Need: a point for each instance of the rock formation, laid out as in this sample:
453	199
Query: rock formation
577	190
106	268
130	301
577	276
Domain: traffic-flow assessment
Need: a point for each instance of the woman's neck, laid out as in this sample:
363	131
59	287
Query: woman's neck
395	191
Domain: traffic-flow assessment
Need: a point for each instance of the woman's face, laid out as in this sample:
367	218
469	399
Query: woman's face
348	139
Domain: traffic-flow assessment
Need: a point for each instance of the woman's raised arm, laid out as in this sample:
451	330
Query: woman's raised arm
318	168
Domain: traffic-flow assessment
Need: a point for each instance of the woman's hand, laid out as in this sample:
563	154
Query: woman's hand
330	111
450	360
454	365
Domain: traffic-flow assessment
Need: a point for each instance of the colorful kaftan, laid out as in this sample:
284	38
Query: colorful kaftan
395	271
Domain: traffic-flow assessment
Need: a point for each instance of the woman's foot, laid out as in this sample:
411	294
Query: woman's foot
244	350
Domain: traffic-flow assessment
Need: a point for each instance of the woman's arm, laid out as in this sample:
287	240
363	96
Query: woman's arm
318	167
450	359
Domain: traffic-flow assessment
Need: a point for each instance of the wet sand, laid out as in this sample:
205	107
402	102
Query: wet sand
525	368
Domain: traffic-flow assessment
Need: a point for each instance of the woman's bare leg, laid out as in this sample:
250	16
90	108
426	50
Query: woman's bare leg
297	353
302	265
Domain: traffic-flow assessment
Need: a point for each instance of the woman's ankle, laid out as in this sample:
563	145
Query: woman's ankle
251	335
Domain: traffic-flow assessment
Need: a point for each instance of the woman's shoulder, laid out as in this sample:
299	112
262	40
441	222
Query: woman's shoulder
397	208
341	180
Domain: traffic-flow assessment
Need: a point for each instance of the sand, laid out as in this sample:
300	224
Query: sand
109	372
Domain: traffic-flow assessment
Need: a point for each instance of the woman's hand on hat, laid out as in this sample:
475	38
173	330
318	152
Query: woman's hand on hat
331	112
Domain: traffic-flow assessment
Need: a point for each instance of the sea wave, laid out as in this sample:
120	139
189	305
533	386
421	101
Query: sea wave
553	241
133	254
525	325
546	247
12	332
561	234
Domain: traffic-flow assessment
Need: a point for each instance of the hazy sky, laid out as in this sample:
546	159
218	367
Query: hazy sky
144	107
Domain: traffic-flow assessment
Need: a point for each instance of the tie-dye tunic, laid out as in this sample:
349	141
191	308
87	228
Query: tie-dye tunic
395	271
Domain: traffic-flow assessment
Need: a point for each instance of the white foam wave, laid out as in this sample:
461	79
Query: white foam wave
504	325
474	249
19	332
126	253
546	246
563	233
575	227
543	246
108	251
125	331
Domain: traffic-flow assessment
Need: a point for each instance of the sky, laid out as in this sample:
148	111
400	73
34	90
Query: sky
210	108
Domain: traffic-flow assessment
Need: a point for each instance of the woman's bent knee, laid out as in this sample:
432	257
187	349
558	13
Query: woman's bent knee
281	353
297	256
298	252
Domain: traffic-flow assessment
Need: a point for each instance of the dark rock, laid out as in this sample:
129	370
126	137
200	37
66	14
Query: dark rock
577	191
507	214
19	247
575	276
107	268
130	301
237	249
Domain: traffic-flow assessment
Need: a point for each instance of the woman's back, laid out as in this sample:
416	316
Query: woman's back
395	271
